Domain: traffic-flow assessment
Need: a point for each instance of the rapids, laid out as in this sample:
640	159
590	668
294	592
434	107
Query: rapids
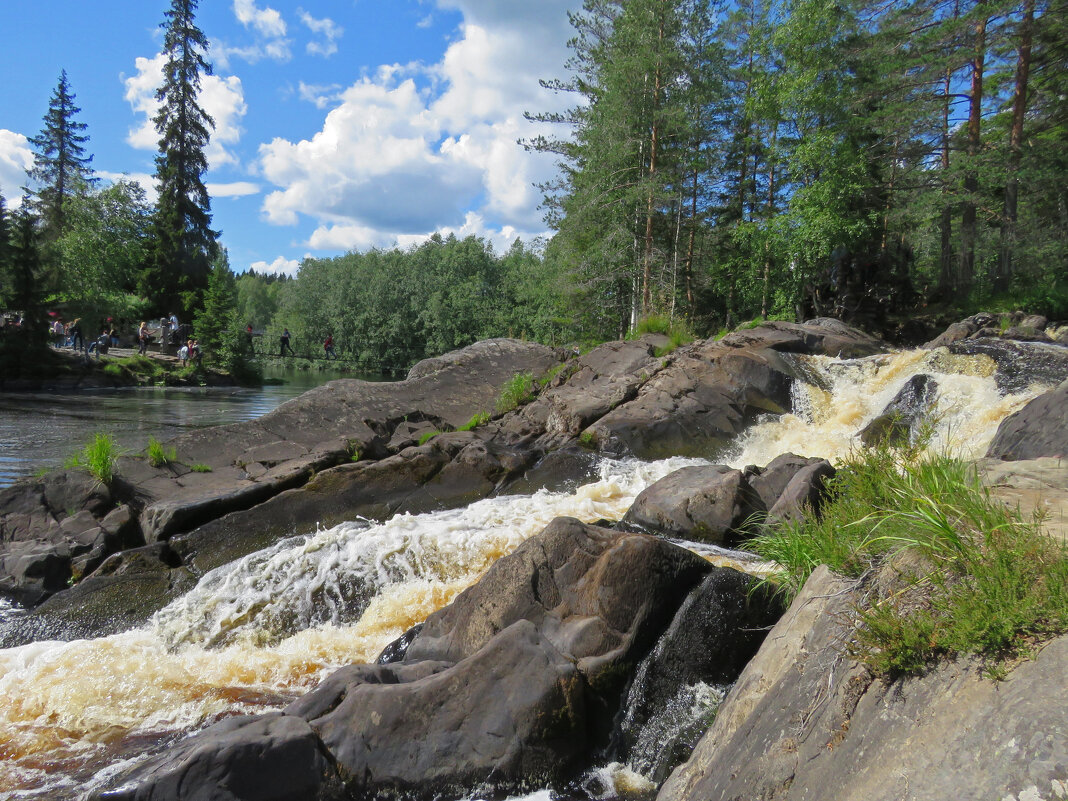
257	633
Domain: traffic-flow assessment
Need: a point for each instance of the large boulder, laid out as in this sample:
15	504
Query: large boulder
806	721
710	503
269	757
1039	429
897	423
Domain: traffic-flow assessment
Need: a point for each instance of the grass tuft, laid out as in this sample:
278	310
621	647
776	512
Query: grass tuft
986	581
158	456
427	436
519	389
200	468
477	419
98	457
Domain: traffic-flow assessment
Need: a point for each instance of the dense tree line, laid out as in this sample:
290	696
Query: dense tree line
386	309
790	157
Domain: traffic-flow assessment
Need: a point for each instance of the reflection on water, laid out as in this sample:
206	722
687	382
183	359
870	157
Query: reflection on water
41	430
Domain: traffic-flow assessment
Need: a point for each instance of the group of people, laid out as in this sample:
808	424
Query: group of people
70	335
283	342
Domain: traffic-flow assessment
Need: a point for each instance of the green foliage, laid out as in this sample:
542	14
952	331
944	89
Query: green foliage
477	419
985	581
519	389
114	369
98	457
184	241
588	439
158	455
200	468
60	170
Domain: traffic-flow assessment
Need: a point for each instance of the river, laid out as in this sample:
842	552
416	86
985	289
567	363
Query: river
260	631
39	431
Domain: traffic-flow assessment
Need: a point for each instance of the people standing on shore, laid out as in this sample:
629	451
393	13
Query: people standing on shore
142	339
76	340
284	343
328	347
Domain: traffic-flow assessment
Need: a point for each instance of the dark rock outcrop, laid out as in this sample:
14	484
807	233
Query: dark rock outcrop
1039	429
896	424
806	721
514	685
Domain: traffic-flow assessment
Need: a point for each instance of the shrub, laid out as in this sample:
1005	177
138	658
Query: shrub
518	390
98	457
988	582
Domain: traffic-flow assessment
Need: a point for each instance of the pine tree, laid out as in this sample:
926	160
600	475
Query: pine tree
60	168
185	243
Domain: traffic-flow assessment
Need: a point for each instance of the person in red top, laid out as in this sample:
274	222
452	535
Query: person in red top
328	346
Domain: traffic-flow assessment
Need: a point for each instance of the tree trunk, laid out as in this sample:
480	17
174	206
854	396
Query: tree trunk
689	247
971	176
947	282
1012	183
653	142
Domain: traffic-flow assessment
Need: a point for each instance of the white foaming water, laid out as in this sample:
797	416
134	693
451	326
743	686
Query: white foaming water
846	395
258	632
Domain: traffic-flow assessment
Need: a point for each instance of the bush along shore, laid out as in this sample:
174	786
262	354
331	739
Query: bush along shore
933	641
60	370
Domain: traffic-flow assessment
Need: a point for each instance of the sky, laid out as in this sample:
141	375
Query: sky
339	124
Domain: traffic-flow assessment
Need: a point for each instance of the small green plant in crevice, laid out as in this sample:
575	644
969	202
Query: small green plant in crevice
588	439
519	389
984	582
158	455
547	377
200	468
98	457
477	419
427	436
354	450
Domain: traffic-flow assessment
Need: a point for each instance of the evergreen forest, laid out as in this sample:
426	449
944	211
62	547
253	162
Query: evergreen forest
872	160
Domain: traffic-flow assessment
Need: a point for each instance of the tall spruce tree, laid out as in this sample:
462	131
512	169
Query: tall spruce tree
60	168
185	243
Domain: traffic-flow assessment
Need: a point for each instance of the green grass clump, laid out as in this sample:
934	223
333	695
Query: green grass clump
676	330
114	369
98	457
200	468
984	580
427	436
477	419
158	456
518	390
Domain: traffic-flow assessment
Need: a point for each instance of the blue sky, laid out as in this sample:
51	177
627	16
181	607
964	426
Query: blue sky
340	124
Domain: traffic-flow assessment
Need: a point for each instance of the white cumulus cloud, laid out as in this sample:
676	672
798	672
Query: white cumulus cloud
329	30
15	158
415	149
265	21
222	98
234	189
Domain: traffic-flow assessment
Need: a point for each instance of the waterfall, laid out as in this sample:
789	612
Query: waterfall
256	633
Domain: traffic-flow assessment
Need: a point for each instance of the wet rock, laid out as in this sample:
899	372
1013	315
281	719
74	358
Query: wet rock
715	633
270	757
708	504
558	470
804	494
513	685
897	423
1019	364
770	481
1039	429
804	717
